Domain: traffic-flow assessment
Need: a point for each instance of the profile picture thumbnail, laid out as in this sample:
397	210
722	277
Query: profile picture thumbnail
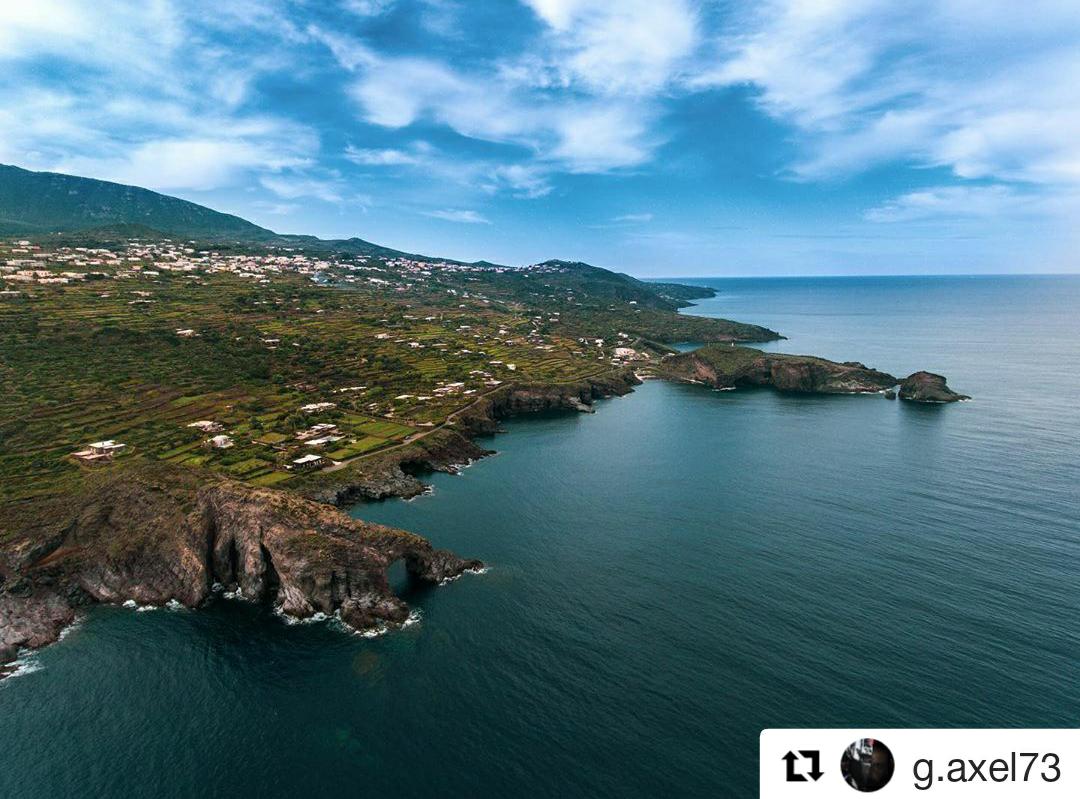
867	765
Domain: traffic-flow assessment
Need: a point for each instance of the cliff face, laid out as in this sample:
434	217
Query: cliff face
483	417
394	473
731	367
150	533
154	536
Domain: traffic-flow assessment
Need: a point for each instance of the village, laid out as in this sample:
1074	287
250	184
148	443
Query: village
24	261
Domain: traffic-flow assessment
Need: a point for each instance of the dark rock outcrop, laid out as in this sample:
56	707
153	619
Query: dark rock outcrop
395	473
482	418
928	387
731	367
153	535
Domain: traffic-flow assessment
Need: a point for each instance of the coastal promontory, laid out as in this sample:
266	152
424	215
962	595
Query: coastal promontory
153	535
730	366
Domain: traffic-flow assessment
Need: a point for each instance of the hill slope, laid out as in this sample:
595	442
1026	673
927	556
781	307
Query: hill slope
599	283
48	202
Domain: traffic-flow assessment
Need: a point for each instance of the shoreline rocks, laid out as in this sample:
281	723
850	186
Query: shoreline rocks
396	473
154	535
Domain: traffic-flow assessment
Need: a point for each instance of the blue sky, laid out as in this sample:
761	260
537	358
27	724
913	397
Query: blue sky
684	137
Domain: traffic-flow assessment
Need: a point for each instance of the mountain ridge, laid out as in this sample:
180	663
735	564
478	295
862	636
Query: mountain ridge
56	204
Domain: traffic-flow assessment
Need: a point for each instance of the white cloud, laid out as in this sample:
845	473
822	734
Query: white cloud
386	157
149	98
525	182
172	164
625	47
579	135
368	8
601	137
616	55
292	187
950	201
348	51
133	36
986	89
457	215
633	218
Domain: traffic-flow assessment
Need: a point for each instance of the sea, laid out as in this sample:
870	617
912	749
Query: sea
668	577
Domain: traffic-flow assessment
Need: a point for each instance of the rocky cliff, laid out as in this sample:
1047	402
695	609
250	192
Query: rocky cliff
396	473
150	533
153	534
732	367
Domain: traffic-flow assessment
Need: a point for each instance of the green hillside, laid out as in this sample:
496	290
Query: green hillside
48	202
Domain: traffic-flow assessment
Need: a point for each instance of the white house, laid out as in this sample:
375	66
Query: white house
206	426
99	451
308	463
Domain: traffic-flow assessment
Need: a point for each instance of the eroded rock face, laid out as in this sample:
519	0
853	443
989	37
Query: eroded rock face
33	620
157	537
395	473
517	400
928	387
732	367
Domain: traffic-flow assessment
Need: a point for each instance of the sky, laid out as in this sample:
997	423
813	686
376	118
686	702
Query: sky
656	137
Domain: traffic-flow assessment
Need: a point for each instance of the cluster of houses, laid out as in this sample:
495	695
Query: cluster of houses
23	261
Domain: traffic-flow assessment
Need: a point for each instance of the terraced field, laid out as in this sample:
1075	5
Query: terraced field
102	359
287	355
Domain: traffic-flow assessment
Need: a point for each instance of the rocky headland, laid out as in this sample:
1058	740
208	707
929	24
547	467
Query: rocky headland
722	366
154	534
145	532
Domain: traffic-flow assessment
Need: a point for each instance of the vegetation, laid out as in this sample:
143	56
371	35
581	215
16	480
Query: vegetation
198	339
41	202
148	337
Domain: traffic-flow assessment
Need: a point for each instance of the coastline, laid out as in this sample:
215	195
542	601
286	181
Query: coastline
55	579
395	473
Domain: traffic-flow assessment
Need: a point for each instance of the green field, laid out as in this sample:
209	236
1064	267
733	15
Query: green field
103	359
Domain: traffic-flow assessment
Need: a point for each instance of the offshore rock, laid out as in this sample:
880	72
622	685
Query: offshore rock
928	387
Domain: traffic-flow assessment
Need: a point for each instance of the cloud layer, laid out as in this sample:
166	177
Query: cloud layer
955	109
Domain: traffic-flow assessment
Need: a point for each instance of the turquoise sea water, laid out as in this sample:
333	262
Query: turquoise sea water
669	576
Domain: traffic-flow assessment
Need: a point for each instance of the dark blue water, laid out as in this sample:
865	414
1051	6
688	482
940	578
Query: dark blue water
670	575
